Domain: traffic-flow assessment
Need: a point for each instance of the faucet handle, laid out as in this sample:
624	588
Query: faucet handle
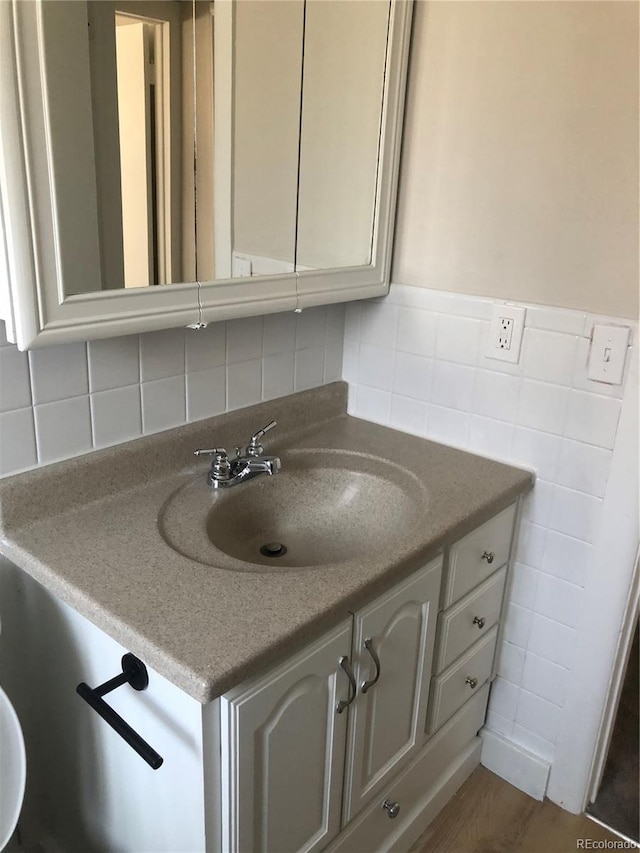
211	451
220	467
254	448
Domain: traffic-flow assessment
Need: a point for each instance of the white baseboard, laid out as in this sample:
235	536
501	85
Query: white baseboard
514	764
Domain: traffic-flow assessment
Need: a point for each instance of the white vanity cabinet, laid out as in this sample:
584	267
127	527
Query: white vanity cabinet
353	743
285	736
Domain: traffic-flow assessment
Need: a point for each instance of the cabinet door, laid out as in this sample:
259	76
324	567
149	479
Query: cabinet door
387	720
283	747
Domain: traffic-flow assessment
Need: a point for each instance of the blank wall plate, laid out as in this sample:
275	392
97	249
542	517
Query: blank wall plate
608	353
505	332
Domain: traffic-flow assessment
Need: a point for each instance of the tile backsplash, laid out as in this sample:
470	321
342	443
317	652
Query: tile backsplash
416	361
65	400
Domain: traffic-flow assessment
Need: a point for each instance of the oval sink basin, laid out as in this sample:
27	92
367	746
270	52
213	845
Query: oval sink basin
323	507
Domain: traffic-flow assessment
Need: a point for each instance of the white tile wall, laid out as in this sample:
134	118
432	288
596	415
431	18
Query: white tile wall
58	373
63	428
308	368
162	354
14	380
412	376
244	339
279	333
206	393
61	401
163	403
17	440
415	361
542	413
116	415
552	640
113	363
511	662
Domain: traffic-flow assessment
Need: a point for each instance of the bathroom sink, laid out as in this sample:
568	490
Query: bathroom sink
323	507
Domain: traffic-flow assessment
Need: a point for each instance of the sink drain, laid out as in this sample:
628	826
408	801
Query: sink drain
273	549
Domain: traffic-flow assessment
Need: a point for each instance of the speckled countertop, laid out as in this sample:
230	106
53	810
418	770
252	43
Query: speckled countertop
87	529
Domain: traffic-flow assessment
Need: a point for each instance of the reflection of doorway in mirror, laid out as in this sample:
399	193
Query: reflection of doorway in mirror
141	75
142	109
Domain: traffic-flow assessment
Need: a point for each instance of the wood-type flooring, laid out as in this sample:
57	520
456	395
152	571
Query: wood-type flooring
488	815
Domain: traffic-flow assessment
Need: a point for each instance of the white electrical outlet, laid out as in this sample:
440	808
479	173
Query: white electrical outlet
505	332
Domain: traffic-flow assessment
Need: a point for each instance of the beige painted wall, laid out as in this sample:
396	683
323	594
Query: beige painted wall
520	164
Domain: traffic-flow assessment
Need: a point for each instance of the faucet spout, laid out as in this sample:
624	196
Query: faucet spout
263	465
244	468
226	472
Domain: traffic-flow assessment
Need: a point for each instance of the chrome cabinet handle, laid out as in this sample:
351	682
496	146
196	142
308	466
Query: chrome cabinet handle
368	644
479	621
353	689
472	682
489	556
392	809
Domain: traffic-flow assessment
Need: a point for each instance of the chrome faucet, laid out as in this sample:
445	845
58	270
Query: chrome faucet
226	472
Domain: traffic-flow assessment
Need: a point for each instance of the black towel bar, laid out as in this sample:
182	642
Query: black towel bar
134	672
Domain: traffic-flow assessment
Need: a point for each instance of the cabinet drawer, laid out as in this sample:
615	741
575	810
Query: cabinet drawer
450	690
470	619
478	555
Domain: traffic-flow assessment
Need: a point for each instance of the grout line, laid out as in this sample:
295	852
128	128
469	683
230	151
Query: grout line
546	660
543	699
325	342
92	425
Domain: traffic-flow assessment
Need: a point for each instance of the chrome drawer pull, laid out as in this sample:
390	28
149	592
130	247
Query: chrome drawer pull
392	809
346	668
368	644
489	556
472	682
479	621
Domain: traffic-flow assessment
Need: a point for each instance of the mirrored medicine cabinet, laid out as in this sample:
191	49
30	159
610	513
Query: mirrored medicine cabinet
178	162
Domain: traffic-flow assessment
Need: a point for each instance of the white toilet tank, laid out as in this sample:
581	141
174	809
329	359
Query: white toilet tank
13	768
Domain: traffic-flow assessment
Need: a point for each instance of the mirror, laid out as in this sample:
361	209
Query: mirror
234	139
260	173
